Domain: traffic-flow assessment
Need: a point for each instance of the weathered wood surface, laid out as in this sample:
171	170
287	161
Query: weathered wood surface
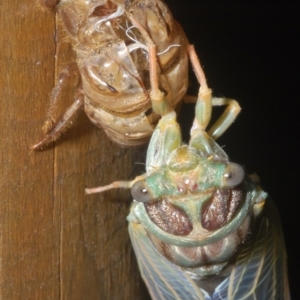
56	242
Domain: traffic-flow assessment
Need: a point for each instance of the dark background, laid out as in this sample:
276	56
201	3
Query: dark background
251	53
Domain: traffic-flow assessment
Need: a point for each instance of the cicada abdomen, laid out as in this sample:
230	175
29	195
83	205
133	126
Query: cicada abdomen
113	66
200	227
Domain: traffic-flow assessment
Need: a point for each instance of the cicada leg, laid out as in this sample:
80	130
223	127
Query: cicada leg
52	126
165	138
226	119
167	135
200	138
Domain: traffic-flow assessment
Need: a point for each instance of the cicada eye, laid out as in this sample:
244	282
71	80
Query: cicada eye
140	193
234	175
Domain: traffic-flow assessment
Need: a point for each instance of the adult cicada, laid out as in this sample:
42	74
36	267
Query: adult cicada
112	66
200	227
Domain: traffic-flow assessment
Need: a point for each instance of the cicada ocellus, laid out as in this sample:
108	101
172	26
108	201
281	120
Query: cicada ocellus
112	66
200	227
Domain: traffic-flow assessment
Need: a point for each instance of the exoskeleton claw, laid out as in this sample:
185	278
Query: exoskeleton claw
63	79
57	128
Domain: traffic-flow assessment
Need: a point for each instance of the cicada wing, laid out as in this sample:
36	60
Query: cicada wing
165	281
261	268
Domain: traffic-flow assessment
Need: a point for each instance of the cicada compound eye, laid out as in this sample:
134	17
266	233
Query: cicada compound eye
234	175
140	192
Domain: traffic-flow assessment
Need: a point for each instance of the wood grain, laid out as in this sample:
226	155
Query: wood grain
56	242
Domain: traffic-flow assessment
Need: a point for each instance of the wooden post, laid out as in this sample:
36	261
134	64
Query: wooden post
56	242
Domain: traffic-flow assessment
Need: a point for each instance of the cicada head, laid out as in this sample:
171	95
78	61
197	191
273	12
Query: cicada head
188	173
196	210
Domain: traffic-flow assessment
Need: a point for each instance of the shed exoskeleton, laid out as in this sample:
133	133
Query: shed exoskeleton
200	227
112	66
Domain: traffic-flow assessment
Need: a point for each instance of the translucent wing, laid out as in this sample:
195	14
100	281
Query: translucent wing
260	271
165	281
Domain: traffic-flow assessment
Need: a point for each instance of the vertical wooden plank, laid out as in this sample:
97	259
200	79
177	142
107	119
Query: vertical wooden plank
97	260
29	245
56	243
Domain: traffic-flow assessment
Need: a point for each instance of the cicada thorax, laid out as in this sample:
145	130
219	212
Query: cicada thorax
200	215
113	61
218	209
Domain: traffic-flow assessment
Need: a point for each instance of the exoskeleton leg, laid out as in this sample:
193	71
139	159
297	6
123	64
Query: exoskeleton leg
201	139
53	127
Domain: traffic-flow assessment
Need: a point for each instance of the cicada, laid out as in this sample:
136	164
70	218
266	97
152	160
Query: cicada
200	227
112	66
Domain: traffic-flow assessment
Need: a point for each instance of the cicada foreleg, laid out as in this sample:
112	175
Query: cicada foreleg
200	138
166	136
226	119
53	127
